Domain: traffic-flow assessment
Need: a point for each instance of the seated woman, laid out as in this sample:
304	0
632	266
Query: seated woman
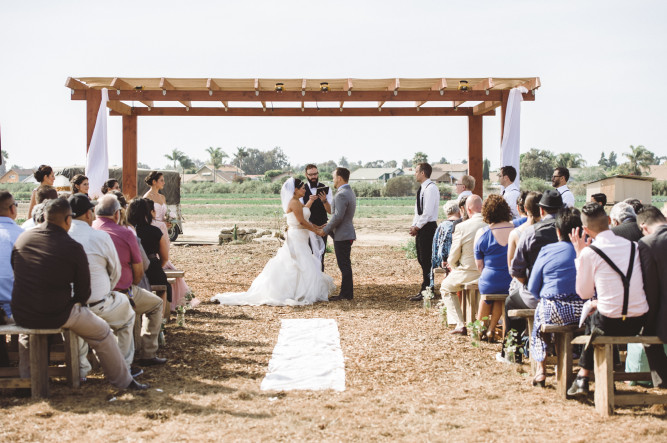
491	258
442	240
79	184
552	280
110	185
140	213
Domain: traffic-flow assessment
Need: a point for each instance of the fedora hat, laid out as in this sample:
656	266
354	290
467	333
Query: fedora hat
551	199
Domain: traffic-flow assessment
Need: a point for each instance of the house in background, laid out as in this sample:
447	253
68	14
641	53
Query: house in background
16	175
224	174
374	175
449	172
659	172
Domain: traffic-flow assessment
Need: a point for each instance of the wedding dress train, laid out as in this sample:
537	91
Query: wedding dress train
292	277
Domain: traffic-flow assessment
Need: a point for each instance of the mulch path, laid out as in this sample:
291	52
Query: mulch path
407	378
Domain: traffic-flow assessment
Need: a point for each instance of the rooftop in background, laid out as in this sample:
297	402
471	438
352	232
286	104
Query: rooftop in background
304	97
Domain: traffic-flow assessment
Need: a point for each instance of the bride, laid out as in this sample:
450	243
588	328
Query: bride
294	276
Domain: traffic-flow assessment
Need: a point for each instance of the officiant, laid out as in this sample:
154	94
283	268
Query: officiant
322	200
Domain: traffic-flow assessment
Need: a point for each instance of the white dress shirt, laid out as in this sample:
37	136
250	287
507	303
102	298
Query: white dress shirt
103	259
430	199
511	194
567	195
595	275
463	194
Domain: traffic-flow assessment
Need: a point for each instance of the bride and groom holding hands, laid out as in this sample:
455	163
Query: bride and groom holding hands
294	276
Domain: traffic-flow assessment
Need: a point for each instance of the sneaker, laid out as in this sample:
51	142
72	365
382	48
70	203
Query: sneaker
579	387
135	372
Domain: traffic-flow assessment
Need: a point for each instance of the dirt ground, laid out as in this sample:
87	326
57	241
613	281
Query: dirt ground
407	378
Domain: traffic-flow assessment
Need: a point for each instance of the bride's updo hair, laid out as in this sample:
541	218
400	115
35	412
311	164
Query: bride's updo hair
297	184
152	176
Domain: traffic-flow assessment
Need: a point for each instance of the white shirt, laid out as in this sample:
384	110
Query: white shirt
313	191
567	195
511	194
464	194
430	199
595	275
103	259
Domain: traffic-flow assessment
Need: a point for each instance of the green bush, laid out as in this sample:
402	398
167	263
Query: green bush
410	249
20	191
401	186
368	189
535	184
660	187
446	191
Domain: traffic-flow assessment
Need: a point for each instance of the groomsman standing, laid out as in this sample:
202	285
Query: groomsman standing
425	223
321	203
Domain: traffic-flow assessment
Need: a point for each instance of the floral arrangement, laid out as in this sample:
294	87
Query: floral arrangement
442	310
427	295
512	346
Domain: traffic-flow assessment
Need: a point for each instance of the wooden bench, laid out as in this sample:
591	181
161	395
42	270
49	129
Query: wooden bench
564	361
529	315
39	361
470	301
174	273
605	397
498	298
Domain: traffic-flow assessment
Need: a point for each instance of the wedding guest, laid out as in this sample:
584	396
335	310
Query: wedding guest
122	221
104	266
635	203
624	222
461	263
140	215
552	281
621	305
425	222
600	198
442	240
652	249
147	306
52	283
320	208
511	192
41	194
110	185
559	181
155	180
45	177
491	258
465	186
79	184
464	213
521	210
9	232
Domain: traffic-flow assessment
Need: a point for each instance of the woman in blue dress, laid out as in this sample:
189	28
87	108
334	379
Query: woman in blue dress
552	281
491	257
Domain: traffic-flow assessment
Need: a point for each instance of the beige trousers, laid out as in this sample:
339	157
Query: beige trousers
148	308
452	284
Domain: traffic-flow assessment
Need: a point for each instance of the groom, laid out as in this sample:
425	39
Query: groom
341	229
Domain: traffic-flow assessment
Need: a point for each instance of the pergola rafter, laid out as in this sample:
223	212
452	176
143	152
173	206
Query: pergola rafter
313	98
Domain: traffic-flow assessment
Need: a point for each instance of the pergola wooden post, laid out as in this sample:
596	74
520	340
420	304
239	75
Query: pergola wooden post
473	98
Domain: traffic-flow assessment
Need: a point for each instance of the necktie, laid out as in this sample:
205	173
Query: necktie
420	210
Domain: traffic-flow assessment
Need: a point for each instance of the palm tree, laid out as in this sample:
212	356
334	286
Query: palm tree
176	156
640	159
217	154
570	160
241	153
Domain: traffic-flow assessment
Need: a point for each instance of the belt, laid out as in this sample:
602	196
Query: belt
90	305
153	256
124	291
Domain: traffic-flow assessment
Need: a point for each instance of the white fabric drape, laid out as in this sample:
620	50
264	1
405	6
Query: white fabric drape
510	147
97	161
307	356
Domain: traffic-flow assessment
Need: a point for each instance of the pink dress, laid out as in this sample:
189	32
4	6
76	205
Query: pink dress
179	288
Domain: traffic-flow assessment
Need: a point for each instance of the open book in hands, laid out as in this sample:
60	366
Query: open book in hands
323	189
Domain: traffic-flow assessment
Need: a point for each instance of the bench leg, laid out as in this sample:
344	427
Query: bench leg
533	363
564	375
604	380
72	359
39	366
504	317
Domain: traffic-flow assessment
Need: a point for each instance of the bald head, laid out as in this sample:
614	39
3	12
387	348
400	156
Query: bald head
474	204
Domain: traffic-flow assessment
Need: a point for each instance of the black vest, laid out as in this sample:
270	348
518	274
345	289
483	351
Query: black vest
318	215
545	233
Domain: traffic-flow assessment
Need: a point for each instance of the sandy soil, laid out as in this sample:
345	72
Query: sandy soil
407	378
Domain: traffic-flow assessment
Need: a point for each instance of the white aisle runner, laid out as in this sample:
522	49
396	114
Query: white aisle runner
307	356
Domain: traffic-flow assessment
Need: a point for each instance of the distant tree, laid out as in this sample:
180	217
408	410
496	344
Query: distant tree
611	161
175	157
375	164
327	166
464	161
570	160
603	161
485	169
258	162
241	154
443	161
186	163
343	163
537	163
3	162
639	160
400	186
216	156
419	157
390	164
143	165
405	163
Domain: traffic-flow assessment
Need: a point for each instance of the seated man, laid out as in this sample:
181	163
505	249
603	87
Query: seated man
624	222
610	267
652	249
461	263
104	265
51	283
9	232
600	198
132	269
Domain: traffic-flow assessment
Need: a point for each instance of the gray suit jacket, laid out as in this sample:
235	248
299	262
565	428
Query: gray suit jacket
340	226
654	269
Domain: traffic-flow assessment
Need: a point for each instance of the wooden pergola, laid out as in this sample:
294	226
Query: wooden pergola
130	98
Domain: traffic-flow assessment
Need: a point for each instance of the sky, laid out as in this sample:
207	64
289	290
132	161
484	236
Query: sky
601	64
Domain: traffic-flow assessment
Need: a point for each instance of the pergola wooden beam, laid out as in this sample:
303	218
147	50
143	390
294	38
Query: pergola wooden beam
119	107
73	84
485	85
484	107
301	112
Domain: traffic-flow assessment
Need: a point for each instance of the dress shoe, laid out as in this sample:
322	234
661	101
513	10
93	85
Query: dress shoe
135	372
417	297
340	297
136	386
460	331
152	361
579	387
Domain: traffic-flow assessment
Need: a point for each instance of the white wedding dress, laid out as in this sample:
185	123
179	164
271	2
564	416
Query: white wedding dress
293	277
